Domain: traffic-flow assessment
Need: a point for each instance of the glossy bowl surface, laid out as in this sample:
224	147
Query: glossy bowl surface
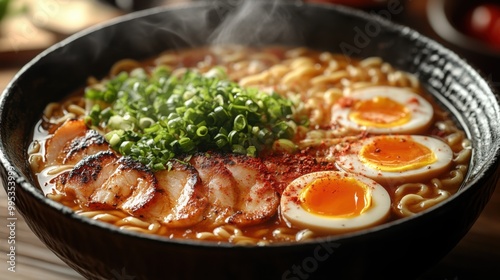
402	249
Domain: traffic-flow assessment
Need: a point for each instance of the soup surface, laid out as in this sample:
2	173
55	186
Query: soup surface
249	145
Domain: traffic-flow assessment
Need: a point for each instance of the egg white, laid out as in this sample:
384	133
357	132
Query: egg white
421	110
297	216
350	161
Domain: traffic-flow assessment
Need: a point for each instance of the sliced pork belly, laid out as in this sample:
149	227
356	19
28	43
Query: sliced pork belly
237	188
73	141
106	181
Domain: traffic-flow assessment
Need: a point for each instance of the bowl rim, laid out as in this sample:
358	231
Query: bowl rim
490	168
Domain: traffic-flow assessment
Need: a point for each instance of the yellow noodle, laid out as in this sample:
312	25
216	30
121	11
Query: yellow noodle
332	95
297	74
261	232
454	138
346	83
36	162
205	235
360	85
179	72
394	78
414	83
265	56
386	68
301	62
136	229
105	217
326	56
412	198
303	235
354	72
254	79
243	240
325	141
167	59
133	221
92	81
463	157
466	143
332	66
162	230
50	109
296	52
154	227
233	57
462	168
332	78
452	182
124	65
90	214
56	196
77	110
370	62
278	71
35	147
64	118
315	134
222	232
58	169
284	233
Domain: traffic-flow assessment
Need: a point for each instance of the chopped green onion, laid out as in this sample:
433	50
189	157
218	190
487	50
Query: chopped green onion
146	122
153	116
240	123
202	131
284	145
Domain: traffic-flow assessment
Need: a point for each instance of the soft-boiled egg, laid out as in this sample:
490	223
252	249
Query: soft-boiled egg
334	202
395	159
384	110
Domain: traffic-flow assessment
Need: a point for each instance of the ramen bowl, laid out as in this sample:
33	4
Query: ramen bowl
404	248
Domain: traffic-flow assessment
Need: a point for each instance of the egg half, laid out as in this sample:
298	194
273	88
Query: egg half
384	110
395	159
334	202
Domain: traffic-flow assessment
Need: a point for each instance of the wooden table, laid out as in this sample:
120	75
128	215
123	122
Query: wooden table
477	256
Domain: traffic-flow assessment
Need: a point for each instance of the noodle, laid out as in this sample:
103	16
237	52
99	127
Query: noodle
123	65
303	235
413	198
76	110
455	179
133	221
370	62
330	79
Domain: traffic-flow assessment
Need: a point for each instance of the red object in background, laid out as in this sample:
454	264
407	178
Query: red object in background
483	22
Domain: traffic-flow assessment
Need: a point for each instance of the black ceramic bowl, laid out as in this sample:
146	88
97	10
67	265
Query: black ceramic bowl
402	249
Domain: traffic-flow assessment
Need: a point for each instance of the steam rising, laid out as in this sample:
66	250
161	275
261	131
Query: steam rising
254	22
247	22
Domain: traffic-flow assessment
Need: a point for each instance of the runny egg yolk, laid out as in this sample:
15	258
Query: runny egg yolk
334	202
383	110
336	197
396	154
379	111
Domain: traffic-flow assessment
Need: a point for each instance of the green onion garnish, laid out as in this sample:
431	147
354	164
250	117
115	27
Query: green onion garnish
153	117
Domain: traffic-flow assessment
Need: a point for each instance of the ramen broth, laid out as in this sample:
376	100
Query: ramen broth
346	122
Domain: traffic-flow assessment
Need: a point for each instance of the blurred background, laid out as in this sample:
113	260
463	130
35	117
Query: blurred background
471	28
